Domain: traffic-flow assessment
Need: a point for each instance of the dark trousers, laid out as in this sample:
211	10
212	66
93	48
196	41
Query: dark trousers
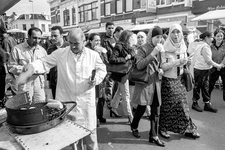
154	120
2	82
100	106
53	88
201	78
213	77
109	88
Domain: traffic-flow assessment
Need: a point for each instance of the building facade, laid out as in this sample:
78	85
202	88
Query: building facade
26	21
75	13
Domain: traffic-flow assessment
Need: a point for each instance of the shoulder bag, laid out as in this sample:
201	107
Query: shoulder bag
188	78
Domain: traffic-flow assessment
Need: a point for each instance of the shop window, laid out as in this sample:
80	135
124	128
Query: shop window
66	17
129	5
73	16
119	6
24	27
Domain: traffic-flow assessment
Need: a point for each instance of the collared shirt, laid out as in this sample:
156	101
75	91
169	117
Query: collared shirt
23	54
218	53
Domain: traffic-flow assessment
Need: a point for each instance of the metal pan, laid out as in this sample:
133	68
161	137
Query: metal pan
32	129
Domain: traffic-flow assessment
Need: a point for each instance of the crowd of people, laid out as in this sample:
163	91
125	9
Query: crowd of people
79	69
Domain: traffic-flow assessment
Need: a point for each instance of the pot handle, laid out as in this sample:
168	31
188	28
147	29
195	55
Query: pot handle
71	108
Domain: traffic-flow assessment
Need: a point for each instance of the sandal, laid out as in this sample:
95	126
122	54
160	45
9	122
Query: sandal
193	134
164	134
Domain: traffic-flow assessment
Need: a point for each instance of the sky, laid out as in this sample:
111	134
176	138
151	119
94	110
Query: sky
24	6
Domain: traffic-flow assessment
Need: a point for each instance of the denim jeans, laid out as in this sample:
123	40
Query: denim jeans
122	91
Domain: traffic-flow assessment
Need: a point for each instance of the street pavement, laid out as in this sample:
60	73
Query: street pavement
116	133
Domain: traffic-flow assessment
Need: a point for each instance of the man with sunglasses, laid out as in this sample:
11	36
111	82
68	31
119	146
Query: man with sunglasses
58	42
23	54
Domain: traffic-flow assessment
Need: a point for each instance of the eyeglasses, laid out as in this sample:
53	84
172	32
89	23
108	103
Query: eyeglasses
36	38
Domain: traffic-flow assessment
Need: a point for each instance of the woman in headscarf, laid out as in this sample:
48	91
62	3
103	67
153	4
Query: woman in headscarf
122	52
149	94
141	38
174	112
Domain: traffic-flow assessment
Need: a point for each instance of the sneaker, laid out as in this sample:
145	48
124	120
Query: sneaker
208	107
196	107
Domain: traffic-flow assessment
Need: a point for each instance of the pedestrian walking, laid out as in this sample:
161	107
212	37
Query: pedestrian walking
149	94
202	65
174	111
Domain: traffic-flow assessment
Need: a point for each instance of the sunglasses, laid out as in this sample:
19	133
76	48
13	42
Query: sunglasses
36	38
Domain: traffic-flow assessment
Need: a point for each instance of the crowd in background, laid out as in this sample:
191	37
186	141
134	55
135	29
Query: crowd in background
163	97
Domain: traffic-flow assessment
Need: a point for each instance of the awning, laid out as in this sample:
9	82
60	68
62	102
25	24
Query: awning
6	5
102	29
215	14
141	27
163	25
16	31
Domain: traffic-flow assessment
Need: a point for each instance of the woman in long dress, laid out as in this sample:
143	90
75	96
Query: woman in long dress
174	112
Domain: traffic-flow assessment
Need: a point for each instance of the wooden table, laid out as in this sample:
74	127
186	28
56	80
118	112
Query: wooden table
61	136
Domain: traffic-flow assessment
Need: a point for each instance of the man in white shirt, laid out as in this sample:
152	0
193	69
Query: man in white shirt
23	54
75	65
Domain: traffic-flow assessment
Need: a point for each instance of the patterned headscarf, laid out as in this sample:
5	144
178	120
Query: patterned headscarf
169	44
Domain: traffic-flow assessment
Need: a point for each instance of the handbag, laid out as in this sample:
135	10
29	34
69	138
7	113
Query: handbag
188	78
121	69
139	76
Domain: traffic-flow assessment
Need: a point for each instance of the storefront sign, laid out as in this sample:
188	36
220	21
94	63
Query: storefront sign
216	8
199	7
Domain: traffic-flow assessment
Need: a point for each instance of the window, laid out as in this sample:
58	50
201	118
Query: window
73	16
88	12
119	6
107	7
66	17
32	25
49	27
27	16
43	27
24	27
129	5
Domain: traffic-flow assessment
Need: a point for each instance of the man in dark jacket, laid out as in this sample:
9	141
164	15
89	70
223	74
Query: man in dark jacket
108	42
58	42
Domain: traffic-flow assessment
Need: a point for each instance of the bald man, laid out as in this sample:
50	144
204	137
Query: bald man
75	64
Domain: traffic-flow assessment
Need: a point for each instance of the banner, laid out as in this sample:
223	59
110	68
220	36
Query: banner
151	6
188	3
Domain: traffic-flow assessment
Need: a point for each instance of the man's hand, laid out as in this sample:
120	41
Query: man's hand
91	83
23	77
